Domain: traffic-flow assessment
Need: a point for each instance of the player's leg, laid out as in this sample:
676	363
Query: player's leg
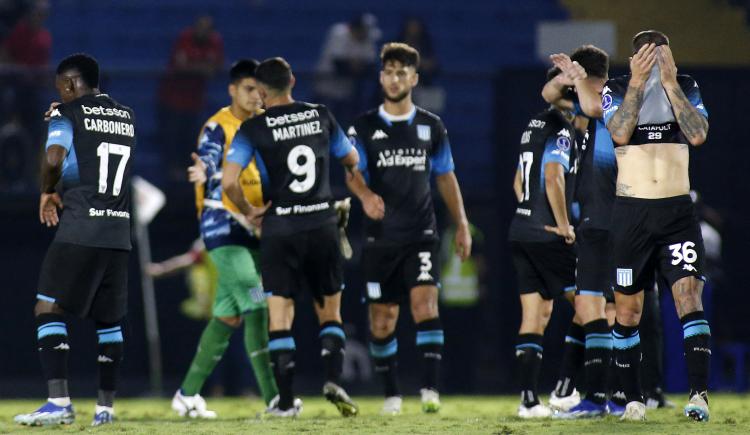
214	340
592	281
251	304
565	395
430	341
70	276
627	349
617	400
282	348
681	258
535	315
384	351
653	342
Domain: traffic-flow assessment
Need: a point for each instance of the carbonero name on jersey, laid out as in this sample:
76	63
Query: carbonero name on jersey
294	131
106	126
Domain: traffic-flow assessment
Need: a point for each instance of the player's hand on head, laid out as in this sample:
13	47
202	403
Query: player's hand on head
567	233
642	62
463	242
197	172
667	67
374	206
48	205
48	114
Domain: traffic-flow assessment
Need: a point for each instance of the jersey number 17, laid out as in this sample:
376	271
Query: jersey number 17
104	150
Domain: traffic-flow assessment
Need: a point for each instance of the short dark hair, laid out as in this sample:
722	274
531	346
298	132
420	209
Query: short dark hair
400	52
86	65
242	69
594	60
649	37
275	73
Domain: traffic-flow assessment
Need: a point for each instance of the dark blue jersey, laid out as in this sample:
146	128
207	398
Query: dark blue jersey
656	121
293	145
397	155
596	175
99	136
548	138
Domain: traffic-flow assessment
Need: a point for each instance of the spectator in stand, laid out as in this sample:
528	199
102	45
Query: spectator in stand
346	66
197	55
414	33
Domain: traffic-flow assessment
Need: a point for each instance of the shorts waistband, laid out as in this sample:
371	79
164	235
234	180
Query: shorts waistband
657	202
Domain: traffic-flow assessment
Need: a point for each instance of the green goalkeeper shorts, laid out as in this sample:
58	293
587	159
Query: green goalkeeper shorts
239	289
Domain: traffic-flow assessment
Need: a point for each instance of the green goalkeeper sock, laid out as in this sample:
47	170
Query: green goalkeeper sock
213	343
256	345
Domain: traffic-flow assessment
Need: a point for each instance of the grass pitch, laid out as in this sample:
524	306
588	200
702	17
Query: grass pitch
460	415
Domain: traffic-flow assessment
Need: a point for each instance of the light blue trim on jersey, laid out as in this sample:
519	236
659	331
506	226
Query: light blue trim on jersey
41	297
340	144
241	150
442	162
286	343
553	153
610	103
265	180
333	330
60	132
384	350
622	342
604	148
430	337
70	172
694	96
362	165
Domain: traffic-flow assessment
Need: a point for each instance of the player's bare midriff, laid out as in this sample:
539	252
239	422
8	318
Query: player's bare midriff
652	171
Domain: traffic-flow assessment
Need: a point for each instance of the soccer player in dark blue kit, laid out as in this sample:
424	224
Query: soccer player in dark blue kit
293	143
90	145
401	146
586	71
541	240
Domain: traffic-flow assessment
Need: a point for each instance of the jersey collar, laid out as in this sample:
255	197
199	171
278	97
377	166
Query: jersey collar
390	119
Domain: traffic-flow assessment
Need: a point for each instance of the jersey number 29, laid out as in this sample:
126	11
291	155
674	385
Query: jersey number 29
103	151
305	168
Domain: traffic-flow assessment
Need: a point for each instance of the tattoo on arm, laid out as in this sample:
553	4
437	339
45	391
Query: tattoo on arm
691	122
625	118
623	190
621	151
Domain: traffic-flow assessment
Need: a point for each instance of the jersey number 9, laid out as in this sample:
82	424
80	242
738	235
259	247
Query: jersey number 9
301	162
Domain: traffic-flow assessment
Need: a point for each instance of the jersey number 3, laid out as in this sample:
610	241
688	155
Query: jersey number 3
301	162
103	151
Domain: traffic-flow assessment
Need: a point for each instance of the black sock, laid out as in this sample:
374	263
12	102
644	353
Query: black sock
384	351
332	340
627	350
52	342
529	357
697	335
572	360
109	360
430	344
281	345
616	394
598	352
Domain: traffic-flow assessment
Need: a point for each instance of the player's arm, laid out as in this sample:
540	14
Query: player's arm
622	123
518	185
556	162
690	115
442	166
59	141
240	154
589	98
355	163
554	91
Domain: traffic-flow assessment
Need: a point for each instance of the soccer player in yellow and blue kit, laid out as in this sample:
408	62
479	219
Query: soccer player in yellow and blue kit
232	244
